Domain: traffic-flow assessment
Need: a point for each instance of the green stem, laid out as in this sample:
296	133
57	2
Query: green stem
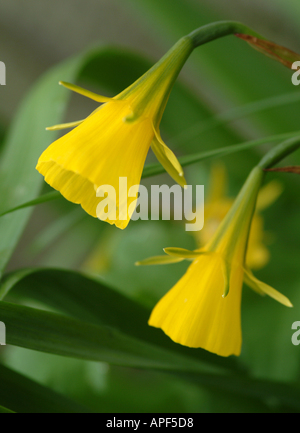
219	29
279	152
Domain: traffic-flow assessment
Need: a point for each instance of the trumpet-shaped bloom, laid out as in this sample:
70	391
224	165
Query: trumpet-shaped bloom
113	142
204	308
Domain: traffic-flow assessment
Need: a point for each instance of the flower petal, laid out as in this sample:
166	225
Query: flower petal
84	92
195	314
269	194
159	260
226	268
97	153
264	288
64	125
218	183
183	253
167	159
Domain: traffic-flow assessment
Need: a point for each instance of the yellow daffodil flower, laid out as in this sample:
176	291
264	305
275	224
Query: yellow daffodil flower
204	308
112	143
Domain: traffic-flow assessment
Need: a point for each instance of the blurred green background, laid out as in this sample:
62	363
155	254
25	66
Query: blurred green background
247	96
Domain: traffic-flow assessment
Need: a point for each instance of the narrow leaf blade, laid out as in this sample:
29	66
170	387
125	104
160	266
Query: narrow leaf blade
23	395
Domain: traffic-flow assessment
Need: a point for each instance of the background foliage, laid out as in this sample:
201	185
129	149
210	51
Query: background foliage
75	306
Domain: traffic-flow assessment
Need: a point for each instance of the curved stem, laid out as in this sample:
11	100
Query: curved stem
219	29
279	152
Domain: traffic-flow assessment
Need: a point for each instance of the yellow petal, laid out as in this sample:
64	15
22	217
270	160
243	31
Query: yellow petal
84	92
195	314
269	194
226	274
167	159
99	152
261	287
218	183
64	125
183	253
257	255
159	260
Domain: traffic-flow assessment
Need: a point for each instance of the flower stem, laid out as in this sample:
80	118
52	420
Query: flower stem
279	152
219	29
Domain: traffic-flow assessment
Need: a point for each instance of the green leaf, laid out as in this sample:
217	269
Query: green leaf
61	335
53	333
23	395
92	301
241	112
53	195
19	181
54	231
4	410
2	133
279	396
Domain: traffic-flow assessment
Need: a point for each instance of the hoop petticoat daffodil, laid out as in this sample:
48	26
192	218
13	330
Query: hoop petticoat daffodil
204	308
113	142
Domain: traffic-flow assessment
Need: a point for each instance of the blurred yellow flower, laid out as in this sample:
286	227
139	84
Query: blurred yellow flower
218	205
113	142
204	308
